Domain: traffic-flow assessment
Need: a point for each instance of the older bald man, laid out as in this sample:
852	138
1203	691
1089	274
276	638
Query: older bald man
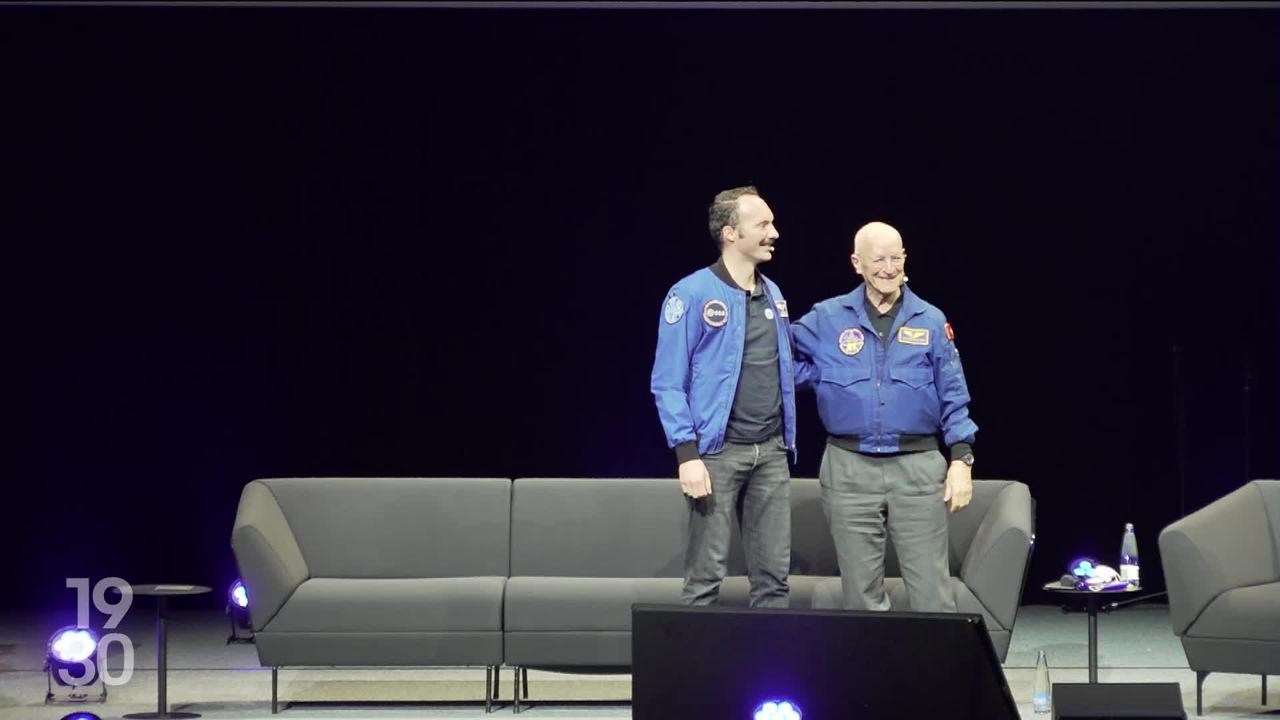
892	397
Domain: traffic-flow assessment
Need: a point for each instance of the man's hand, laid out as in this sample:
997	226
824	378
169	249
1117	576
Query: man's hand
695	481
959	489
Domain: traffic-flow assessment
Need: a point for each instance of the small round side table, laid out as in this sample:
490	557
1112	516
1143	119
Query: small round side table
162	593
1093	601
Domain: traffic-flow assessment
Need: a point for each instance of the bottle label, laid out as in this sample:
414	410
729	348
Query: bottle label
1129	573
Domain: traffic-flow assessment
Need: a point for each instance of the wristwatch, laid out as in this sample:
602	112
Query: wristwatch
967	459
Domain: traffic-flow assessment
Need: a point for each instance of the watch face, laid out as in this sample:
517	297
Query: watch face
967	459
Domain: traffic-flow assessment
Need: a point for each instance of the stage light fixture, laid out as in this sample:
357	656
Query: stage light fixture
777	710
81	716
238	613
68	649
71	662
238	596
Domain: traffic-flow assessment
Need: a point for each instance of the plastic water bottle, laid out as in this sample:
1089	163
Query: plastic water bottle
1040	699
1129	556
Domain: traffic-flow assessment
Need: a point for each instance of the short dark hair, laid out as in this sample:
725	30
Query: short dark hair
724	210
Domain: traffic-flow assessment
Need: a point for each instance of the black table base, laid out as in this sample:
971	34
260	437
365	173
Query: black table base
162	593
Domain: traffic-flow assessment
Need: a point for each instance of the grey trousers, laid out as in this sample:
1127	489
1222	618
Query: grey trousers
752	482
862	495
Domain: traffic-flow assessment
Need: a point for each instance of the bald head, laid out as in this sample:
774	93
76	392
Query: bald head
876	234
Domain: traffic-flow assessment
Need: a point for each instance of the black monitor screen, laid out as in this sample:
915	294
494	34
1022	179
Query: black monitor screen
710	662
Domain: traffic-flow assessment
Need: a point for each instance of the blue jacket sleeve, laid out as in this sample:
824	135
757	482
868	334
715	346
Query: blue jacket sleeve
804	336
953	391
678	335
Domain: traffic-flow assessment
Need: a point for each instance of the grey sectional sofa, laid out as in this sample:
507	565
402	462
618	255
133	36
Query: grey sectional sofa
535	572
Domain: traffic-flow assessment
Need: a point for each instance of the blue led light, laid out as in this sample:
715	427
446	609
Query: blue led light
72	645
239	595
1083	567
777	710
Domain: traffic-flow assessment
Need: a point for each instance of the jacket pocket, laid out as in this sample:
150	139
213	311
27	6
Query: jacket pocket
845	398
845	375
914	377
913	401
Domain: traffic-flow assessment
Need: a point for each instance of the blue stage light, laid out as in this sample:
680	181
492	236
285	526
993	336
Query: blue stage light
67	650
81	716
238	613
238	595
777	710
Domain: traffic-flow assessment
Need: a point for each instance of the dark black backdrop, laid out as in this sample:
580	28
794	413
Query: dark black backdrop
247	243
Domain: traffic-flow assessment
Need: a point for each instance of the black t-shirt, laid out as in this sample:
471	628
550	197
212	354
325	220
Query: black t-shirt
756	414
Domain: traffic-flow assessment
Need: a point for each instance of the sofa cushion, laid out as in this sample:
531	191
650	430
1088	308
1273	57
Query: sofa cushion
598	528
1246	613
338	605
812	551
581	604
399	527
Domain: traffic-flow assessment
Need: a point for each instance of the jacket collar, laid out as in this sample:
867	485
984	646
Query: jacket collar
722	272
911	303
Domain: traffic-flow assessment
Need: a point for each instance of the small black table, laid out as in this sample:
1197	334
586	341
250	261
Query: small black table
162	594
1093	601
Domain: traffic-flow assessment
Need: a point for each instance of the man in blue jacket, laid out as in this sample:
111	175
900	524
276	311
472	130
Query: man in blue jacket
891	394
722	379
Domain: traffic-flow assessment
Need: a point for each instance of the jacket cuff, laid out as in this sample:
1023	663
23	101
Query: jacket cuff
959	449
687	451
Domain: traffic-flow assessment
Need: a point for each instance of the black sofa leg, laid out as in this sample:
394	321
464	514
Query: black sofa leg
515	694
488	689
524	681
1264	688
275	681
1200	676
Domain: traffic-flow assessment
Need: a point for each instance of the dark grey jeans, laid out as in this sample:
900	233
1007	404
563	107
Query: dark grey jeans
863	495
752	482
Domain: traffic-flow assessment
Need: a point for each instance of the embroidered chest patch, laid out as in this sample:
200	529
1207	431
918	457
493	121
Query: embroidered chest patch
851	341
913	336
715	313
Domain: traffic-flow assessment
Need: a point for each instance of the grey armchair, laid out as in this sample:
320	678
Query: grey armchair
1222	567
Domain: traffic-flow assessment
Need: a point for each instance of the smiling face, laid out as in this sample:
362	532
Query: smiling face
754	234
878	257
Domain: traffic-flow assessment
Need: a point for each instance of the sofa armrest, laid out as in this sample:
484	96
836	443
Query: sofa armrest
995	566
270	561
1224	545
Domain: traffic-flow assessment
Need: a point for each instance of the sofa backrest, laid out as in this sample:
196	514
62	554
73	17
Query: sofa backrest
962	527
591	527
813	552
1270	491
398	527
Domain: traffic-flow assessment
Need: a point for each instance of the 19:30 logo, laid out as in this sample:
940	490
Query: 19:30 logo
95	665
